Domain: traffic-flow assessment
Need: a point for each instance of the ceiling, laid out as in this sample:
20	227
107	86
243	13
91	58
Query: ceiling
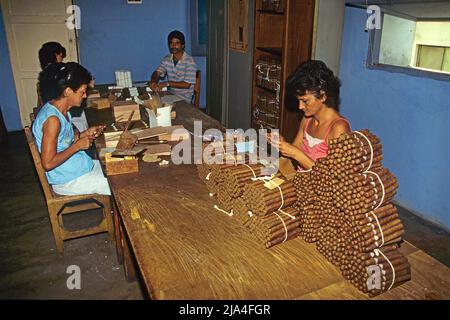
417	9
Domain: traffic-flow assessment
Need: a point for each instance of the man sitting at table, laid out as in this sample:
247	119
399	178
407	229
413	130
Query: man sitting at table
177	70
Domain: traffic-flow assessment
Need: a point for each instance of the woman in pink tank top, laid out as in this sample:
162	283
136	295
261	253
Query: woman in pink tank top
317	91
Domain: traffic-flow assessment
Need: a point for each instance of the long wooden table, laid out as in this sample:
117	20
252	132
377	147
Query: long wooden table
185	249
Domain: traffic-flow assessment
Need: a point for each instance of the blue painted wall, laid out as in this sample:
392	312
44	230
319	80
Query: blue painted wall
8	97
411	116
115	35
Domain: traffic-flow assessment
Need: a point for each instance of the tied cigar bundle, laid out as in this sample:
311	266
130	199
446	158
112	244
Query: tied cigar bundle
345	209
240	188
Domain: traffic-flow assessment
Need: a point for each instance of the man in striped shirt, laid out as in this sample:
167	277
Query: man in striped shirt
177	70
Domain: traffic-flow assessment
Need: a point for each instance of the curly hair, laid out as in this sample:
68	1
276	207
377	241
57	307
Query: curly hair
48	52
314	76
56	77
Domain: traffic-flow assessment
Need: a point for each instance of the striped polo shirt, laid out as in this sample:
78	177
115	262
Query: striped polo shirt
184	71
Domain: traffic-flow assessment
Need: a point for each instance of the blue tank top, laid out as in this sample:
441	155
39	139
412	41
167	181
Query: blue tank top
78	164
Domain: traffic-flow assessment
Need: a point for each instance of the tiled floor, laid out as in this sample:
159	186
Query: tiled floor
31	269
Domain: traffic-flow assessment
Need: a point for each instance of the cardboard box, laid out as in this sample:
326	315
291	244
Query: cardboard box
123	109
115	166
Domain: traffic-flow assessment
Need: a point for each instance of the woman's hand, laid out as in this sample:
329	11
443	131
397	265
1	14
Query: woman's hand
275	139
84	143
95	131
286	149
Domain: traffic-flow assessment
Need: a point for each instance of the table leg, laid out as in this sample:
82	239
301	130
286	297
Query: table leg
128	263
118	234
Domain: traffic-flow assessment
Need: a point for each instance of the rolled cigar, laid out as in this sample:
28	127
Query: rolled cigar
399	270
282	231
291	234
392	233
387	281
383	223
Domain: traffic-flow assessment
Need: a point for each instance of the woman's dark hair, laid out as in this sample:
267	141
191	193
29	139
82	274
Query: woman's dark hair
56	77
314	76
48	52
176	34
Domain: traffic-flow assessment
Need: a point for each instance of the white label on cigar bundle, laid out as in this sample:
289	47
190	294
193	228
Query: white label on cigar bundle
274	183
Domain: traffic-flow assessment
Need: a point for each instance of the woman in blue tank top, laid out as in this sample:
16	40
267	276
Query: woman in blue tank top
69	169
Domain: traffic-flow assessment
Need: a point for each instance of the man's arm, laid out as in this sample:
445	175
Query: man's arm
177	84
155	86
154	80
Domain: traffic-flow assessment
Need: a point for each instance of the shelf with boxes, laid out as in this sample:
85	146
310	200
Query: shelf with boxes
273	6
266	112
268	73
282	40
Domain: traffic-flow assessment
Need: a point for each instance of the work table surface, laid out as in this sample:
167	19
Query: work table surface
185	249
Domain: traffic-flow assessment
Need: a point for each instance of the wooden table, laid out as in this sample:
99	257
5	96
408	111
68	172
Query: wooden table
185	249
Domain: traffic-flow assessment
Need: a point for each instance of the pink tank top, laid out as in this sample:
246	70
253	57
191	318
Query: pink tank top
319	150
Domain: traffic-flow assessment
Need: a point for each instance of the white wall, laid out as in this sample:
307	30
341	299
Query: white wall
397	41
328	25
430	33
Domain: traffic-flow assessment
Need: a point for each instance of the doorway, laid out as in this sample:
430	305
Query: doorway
28	25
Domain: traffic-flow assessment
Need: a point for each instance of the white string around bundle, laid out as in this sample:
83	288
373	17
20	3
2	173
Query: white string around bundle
282	202
230	214
285	228
379	226
254	174
269	179
370	165
264	178
207	177
382	189
371	150
393	270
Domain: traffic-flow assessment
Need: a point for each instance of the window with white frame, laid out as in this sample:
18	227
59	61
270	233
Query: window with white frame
411	45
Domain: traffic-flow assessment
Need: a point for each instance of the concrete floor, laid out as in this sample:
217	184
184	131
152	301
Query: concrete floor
31	269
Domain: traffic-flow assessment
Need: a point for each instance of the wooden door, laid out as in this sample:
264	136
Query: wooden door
28	25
